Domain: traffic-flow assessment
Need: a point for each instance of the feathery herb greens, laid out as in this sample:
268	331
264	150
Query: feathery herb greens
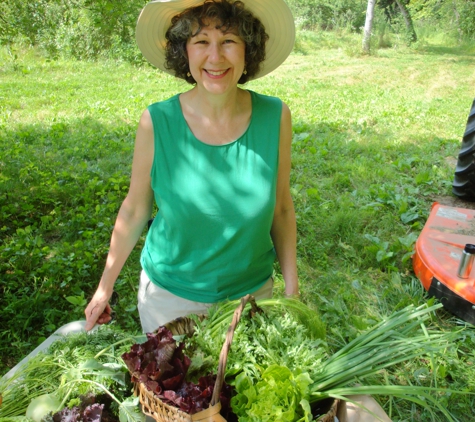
75	365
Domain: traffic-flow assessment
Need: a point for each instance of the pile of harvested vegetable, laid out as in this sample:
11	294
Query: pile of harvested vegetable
80	377
279	367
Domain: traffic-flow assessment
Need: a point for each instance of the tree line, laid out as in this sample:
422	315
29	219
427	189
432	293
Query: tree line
86	29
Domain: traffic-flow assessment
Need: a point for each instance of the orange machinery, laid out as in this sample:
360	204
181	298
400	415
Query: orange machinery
438	253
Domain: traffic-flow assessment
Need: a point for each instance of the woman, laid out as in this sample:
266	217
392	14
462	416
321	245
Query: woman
216	160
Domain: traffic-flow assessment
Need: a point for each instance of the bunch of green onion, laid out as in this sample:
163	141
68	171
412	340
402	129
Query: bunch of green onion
402	337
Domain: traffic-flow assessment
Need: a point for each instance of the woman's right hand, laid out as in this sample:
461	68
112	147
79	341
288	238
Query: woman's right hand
98	311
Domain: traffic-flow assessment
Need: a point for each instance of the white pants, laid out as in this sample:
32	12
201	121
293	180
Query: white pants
158	306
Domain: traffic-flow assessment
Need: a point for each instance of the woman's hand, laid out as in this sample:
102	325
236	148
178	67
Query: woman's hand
98	311
293	295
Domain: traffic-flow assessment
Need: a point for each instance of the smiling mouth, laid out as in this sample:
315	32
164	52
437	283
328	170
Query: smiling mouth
216	72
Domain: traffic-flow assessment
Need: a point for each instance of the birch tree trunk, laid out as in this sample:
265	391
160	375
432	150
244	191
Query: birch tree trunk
457	19
368	26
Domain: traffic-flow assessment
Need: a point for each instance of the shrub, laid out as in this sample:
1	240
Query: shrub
324	14
456	16
80	29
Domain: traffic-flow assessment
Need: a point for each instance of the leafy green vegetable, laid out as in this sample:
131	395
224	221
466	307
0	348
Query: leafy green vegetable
42	405
279	395
130	410
219	316
72	366
274	339
270	358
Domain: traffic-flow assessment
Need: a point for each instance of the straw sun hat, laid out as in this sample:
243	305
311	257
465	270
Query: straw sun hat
275	15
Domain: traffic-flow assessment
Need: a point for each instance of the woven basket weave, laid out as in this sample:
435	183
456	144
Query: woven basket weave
330	407
154	407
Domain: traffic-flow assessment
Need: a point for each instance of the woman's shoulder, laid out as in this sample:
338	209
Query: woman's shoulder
166	109
164	104
264	97
267	103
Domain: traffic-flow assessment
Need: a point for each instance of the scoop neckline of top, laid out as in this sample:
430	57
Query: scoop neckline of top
212	145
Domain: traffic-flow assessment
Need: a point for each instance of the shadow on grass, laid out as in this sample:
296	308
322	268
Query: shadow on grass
360	197
463	53
61	187
65	182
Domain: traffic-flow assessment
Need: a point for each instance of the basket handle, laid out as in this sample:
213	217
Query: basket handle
223	357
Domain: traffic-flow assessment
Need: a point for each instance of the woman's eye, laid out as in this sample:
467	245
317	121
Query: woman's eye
229	41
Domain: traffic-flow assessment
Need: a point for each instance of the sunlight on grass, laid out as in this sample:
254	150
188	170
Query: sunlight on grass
375	143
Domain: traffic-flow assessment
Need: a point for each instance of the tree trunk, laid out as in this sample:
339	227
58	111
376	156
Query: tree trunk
457	20
368	26
411	34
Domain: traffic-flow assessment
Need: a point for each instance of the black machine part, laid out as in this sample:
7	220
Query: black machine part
464	179
452	302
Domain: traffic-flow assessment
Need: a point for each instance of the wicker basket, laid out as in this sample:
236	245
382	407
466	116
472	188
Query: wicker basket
328	409
154	407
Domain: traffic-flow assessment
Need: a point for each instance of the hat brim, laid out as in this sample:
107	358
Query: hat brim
275	15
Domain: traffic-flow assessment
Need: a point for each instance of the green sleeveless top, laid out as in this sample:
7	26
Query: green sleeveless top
210	239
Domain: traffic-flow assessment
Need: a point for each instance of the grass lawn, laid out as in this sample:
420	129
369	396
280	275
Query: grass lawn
376	140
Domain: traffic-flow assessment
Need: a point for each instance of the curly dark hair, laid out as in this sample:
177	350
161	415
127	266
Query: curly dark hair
231	15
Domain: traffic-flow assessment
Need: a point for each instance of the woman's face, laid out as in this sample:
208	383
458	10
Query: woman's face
216	58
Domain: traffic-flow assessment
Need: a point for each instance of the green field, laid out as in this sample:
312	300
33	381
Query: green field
376	140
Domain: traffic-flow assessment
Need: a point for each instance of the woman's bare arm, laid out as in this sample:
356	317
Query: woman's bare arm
134	213
284	227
